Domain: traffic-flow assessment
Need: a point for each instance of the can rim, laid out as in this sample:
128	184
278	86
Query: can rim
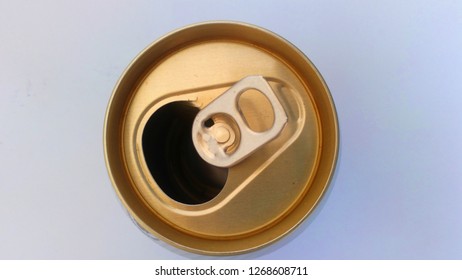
106	138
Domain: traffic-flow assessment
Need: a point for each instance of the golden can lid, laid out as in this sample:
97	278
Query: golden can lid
220	138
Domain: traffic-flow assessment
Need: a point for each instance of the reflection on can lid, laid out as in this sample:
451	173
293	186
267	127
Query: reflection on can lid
220	138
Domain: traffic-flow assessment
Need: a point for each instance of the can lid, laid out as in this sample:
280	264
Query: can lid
220	138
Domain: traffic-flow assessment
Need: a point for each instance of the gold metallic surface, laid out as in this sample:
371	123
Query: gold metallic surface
266	195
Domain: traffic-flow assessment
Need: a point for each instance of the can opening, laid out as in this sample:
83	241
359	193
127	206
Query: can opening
173	160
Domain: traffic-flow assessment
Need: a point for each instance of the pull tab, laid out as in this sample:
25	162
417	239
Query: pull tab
220	133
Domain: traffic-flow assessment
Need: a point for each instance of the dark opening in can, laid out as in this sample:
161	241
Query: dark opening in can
220	138
172	159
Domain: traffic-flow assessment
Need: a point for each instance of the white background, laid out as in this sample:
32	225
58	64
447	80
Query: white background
394	69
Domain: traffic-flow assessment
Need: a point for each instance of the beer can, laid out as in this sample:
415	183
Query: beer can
220	138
